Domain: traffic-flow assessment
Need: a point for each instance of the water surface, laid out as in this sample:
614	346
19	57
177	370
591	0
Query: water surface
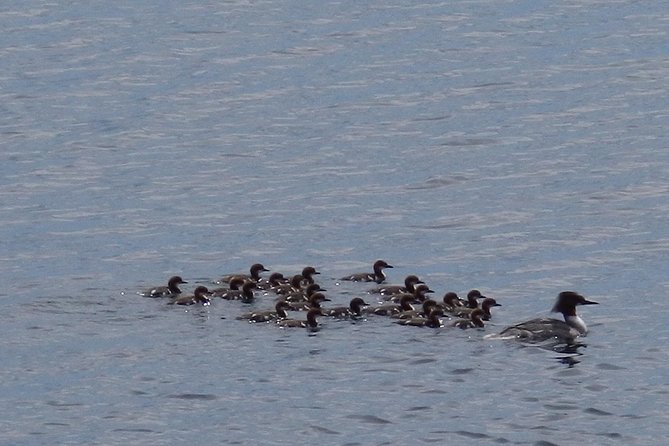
516	147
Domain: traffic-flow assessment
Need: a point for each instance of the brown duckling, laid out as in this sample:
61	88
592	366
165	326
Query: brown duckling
389	309
377	276
308	272
486	305
255	271
293	286
234	285
311	321
451	302
274	280
279	312
353	310
314	302
200	296
171	290
410	282
428	306
303	295
418	294
474	321
245	294
431	321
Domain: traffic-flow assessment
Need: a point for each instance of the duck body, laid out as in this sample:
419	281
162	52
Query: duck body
245	294
310	322
473	321
353	310
389	309
542	329
377	276
432	320
314	301
486	305
171	290
279	312
254	275
200	296
410	282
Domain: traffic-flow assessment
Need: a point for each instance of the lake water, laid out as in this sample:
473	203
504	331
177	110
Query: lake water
518	147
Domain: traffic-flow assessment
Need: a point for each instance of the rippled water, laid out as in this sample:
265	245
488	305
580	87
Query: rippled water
516	147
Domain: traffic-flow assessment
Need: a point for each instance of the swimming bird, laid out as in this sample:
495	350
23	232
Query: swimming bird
279	312
377	276
427	307
274	280
486	305
418	294
543	328
389	309
410	282
171	290
254	275
473	321
200	296
314	301
234	285
245	294
432	320
303	295
353	310
310	322
308	273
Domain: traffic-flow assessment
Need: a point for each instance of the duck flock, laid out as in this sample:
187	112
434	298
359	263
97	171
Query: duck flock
406	304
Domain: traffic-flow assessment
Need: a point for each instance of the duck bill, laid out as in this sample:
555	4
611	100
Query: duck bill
589	302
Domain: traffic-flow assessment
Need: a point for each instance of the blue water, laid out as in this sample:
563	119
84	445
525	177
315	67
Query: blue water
518	147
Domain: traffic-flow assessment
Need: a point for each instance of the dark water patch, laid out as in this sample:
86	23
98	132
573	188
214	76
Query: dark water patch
561	407
194	396
369	419
545	443
63	405
324	430
138	430
607	366
435	183
599	412
473	435
423	361
466	371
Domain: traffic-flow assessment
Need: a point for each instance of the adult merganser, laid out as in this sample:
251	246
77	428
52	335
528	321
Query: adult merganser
544	328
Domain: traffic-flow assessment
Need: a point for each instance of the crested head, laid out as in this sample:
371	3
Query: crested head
175	280
257	267
381	264
568	300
